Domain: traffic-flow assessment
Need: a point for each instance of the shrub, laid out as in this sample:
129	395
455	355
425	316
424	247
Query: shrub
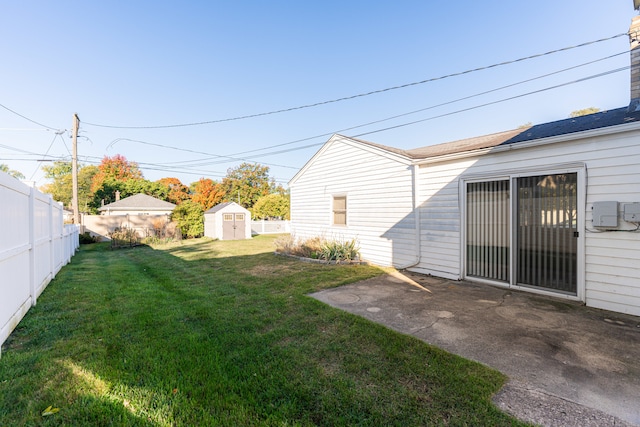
319	248
190	218
340	251
123	237
86	238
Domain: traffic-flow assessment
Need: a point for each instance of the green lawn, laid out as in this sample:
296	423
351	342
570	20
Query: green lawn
222	333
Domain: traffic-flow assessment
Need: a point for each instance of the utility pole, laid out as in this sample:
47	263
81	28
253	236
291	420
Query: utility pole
74	170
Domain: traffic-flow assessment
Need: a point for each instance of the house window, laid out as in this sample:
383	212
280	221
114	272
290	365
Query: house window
227	217
239	217
339	210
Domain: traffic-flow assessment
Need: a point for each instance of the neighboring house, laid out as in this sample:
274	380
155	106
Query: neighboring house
227	221
552	208
139	204
146	215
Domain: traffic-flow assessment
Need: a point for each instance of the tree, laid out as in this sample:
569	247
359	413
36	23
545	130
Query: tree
14	173
206	193
178	192
190	218
584	112
117	168
61	187
246	183
271	206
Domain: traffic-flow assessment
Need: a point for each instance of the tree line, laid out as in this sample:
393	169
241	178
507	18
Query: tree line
248	184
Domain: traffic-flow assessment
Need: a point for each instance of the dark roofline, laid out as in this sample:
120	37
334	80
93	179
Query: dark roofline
601	120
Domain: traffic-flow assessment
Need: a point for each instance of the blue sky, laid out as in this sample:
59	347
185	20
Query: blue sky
158	63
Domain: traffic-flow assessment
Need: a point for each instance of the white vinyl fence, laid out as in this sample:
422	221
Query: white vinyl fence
34	245
270	227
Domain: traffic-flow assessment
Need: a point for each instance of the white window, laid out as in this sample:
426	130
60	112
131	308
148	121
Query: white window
227	217
339	210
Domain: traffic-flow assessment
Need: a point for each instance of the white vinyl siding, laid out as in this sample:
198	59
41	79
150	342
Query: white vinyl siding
608	271
440	219
380	216
379	200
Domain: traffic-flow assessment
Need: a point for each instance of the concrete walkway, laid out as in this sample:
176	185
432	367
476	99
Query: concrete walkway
568	364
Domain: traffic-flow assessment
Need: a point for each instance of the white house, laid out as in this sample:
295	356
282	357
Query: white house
552	208
227	221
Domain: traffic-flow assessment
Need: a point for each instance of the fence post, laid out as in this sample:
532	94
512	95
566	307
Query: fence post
32	245
52	243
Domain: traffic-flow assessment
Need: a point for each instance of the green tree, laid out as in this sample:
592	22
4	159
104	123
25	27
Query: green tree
271	206
14	173
190	218
246	183
61	186
584	112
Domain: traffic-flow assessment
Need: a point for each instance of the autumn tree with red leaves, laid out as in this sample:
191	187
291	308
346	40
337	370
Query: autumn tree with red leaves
207	193
116	168
178	192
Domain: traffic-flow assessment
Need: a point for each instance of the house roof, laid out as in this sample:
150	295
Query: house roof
139	202
604	119
221	206
599	120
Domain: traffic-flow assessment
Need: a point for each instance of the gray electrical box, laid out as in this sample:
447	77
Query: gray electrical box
631	212
605	214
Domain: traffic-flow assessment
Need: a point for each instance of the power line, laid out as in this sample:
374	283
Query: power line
496	102
430	107
249	116
187	150
44	155
27	118
459	111
202	162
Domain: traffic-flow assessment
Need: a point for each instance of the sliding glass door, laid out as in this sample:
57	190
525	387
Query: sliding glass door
537	216
546	232
488	230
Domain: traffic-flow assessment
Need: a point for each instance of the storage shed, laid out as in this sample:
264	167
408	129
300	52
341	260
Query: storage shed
227	221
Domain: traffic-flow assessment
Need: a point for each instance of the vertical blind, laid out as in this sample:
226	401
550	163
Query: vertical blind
488	230
546	232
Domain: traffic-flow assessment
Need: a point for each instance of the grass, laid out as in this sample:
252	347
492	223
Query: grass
222	333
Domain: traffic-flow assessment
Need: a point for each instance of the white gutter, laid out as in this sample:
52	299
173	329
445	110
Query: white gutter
416	217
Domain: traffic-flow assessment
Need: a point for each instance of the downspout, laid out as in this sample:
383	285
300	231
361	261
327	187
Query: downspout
416	218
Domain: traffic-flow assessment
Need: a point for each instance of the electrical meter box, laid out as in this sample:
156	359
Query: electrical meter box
631	212
605	214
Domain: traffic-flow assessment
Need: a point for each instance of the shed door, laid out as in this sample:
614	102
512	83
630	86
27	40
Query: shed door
233	226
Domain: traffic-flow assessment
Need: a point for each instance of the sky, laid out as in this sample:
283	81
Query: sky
270	82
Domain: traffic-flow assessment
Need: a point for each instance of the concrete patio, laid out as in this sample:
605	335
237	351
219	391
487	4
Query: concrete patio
567	364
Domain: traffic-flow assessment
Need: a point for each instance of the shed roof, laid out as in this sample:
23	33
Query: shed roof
141	202
221	206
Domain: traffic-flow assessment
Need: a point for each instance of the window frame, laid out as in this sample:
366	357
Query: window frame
339	211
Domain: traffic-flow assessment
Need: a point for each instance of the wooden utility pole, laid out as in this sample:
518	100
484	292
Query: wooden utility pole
74	171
